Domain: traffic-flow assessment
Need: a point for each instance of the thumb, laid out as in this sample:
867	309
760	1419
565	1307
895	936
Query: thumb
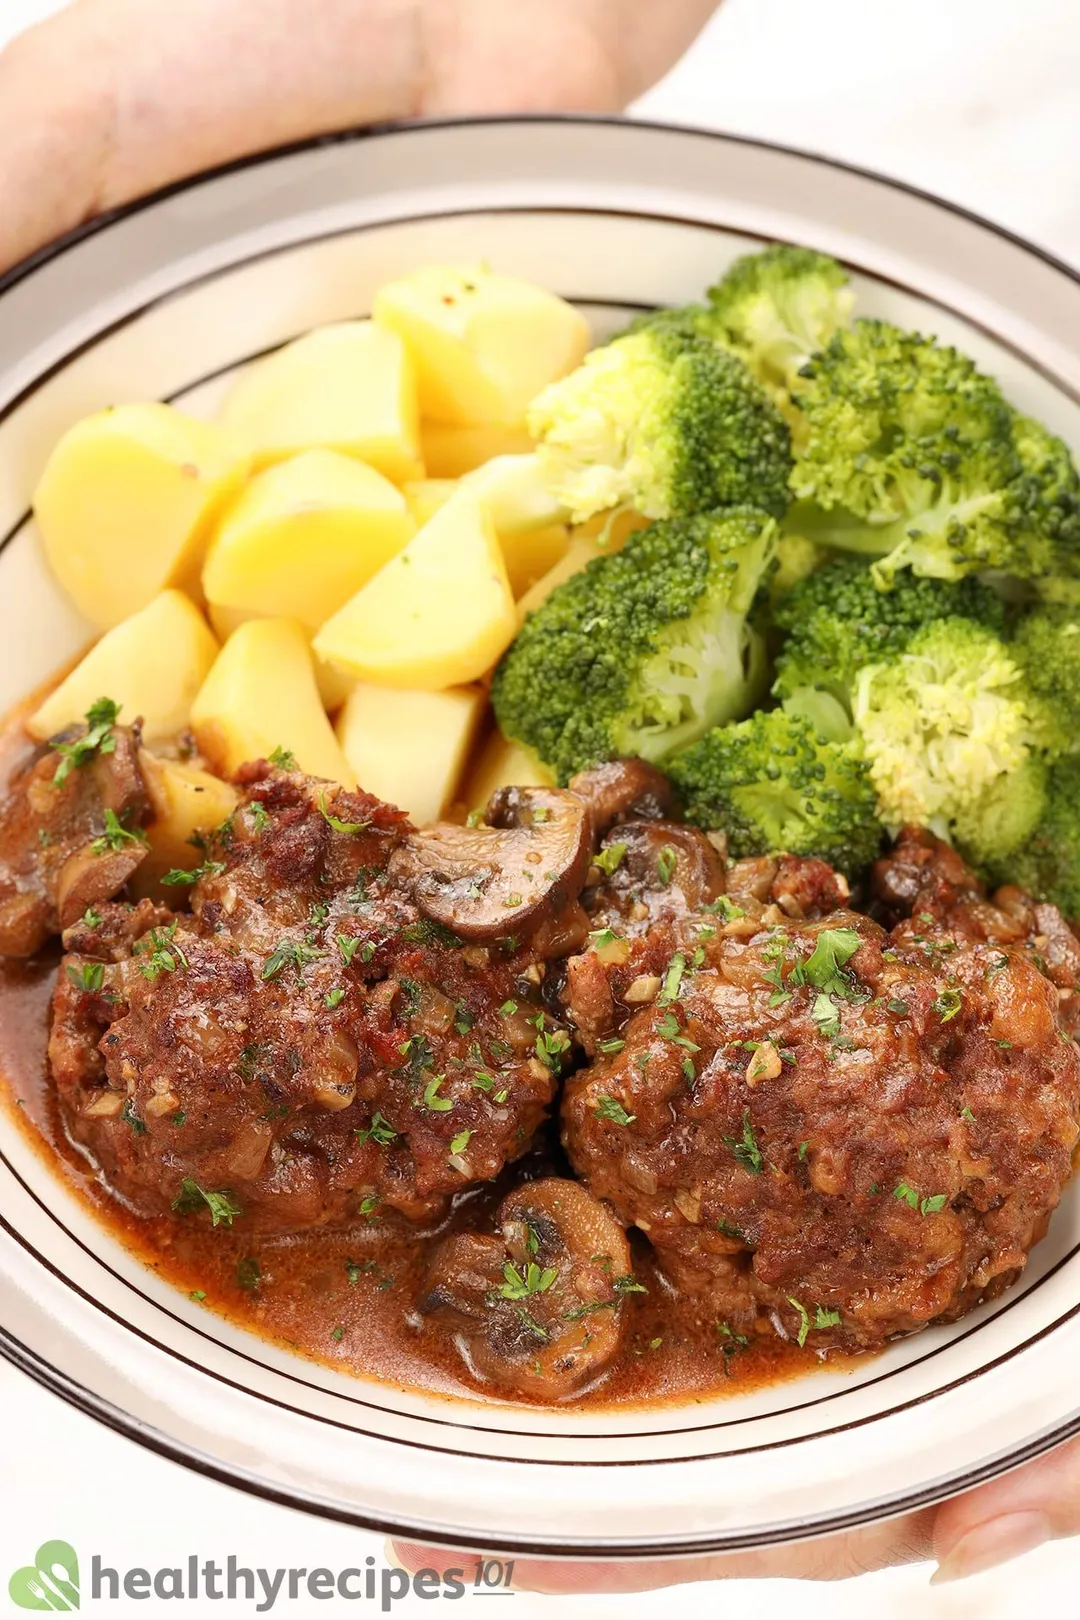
1009	1516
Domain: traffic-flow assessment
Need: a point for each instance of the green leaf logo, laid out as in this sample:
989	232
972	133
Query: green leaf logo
51	1582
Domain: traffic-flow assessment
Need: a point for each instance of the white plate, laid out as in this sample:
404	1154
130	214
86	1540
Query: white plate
166	299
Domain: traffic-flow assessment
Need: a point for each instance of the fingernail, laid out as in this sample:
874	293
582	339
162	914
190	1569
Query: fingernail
993	1543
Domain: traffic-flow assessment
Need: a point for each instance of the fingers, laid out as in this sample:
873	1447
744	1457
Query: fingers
112	98
1009	1516
827	1558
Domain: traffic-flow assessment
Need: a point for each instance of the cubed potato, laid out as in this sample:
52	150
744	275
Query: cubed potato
184	801
483	344
439	614
503	763
347	387
451	451
304	535
424	496
410	748
151	665
127	502
334	687
583	545
262	694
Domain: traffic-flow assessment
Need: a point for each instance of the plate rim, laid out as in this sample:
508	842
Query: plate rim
106	1412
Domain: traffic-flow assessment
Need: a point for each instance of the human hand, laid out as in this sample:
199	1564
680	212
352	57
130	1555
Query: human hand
111	98
988	1526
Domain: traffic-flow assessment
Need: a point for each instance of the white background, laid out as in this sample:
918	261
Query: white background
978	100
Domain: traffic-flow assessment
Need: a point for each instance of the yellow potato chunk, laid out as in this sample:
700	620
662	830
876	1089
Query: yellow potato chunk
304	536
483	344
127	501
151	665
410	748
184	801
262	694
528	554
503	763
334	687
424	496
347	387
451	452
439	614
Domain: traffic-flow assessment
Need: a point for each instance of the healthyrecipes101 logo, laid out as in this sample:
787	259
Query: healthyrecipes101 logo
52	1581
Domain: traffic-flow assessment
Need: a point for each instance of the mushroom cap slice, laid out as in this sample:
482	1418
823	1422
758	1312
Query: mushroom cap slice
506	878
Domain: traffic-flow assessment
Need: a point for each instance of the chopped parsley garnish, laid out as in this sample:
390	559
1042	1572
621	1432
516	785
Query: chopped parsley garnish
191	1197
804	1148
283	758
379	1131
508	1009
260	818
610	859
348	945
99	738
460	1142
612	1045
550	1047
91	918
610	1109
370	1204
198	1295
965	1113
666	862
87	978
926	1206
804	1319
179	1118
338	825
130	1117
897	1006
334	998
179	875
948	1003
432	1100
628	1284
338	1334
290	953
725	907
746	1151
823	967
159	953
520	1285
669	990
825	1319
248	1275
826	1016
116	835
426	931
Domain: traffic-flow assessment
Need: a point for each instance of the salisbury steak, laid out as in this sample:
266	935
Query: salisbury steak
307	1045
848	1133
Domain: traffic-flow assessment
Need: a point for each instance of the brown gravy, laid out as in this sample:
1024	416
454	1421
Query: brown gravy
346	1298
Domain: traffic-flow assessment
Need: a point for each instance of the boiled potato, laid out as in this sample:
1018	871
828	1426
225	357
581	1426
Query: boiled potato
451	452
151	665
304	536
334	687
528	554
127	501
439	614
260	695
410	748
347	387
503	763
184	801
483	344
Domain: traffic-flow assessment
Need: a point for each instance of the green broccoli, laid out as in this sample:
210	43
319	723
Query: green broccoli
772	783
947	725
663	421
836	621
1046	645
911	455
1047	862
643	650
777	308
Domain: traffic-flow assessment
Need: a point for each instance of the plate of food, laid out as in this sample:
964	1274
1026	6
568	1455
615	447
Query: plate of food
538	843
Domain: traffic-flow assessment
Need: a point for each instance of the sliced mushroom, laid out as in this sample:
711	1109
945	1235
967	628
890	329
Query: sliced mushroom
90	876
508	878
622	790
536	1306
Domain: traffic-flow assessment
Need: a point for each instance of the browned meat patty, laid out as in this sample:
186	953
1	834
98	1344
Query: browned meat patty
535	1305
306	1041
69	836
853	1133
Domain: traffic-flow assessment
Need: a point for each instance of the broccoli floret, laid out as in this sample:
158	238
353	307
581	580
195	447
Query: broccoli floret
772	783
643	650
1047	861
666	422
837	621
796	559
777	308
946	727
1046	645
912	456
